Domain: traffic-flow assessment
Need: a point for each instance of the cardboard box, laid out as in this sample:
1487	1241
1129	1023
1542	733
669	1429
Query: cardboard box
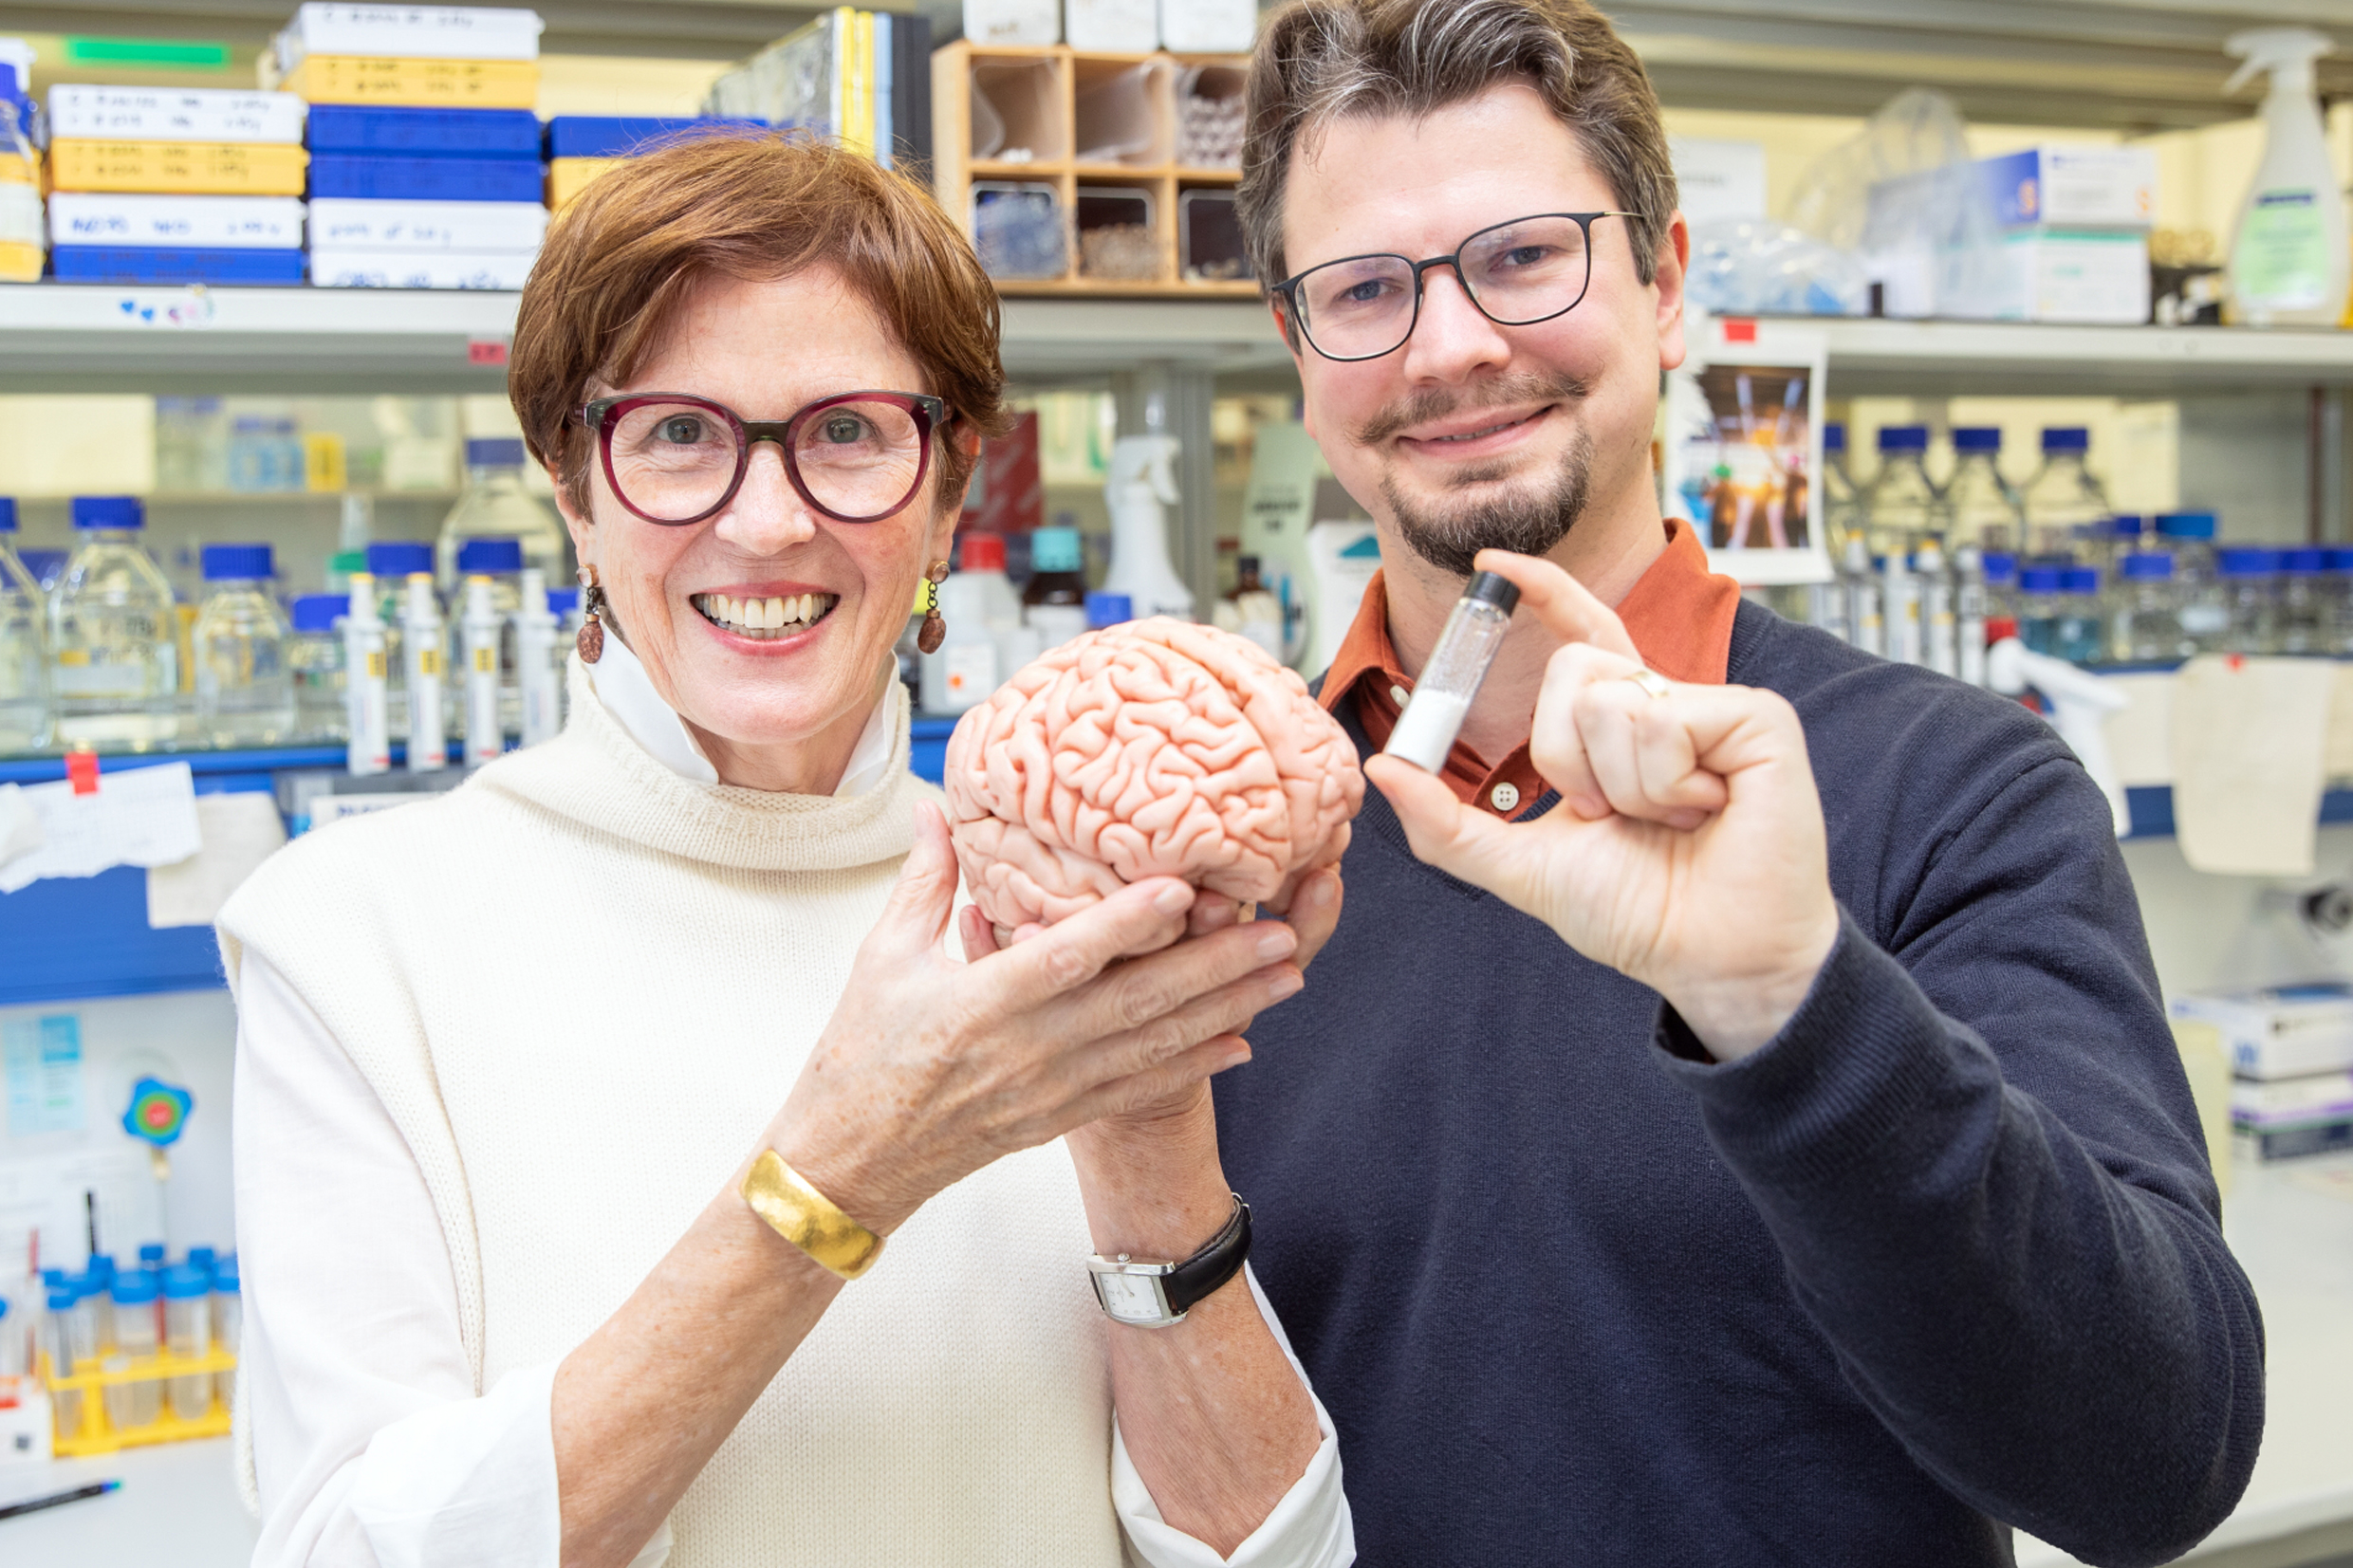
204	223
176	113
2088	276
2283	1032
2073	187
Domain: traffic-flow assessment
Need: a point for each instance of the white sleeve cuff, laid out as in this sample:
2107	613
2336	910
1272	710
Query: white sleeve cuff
472	1483
1309	1527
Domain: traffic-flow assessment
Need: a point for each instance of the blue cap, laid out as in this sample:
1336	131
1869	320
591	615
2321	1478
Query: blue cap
2340	560
46	566
2000	566
64	1299
108	511
2148	566
101	1266
53	1279
2065	438
186	1283
563	602
2301	561
1108	610
2186	524
2079	579
494	452
312	613
490	555
2246	561
136	1288
201	1257
2039	579
398	559
237	563
1055	550
1834	437
150	1254
225	1276
7	515
1977	438
2128	525
1903	438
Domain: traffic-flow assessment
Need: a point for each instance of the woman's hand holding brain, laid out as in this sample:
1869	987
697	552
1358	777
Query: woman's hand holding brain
1151	748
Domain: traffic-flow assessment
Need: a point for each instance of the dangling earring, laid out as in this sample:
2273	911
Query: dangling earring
591	640
934	631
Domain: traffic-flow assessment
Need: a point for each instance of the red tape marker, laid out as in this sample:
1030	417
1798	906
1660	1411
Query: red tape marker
81	770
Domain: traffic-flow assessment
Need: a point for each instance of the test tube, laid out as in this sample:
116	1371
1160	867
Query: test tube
1441	700
63	1331
228	1320
188	1332
134	1404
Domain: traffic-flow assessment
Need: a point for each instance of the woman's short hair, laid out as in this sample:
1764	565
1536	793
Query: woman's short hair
625	254
1318	60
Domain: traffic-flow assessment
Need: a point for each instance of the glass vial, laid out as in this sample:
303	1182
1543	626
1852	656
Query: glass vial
1441	700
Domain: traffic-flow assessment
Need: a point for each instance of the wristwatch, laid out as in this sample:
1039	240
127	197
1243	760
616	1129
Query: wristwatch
1156	1294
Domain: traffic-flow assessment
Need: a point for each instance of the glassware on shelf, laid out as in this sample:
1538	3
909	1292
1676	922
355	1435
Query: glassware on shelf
2247	590
2340	583
2080	636
192	445
494	504
392	562
314	661
27	720
2063	494
1903	505
245	692
2197	585
114	632
2304	618
1984	506
2039	608
2144	618
265	455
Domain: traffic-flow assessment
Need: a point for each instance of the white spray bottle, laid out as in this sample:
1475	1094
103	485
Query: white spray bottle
2289	261
1142	485
486	736
365	681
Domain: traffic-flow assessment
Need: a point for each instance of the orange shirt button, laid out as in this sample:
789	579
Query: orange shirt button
1506	796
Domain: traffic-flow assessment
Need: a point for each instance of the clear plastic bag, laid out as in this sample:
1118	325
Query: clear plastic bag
1749	266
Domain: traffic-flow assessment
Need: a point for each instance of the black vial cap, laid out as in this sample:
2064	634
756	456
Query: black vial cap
1488	588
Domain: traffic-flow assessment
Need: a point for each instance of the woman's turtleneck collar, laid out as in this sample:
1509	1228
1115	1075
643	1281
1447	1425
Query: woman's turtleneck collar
627	692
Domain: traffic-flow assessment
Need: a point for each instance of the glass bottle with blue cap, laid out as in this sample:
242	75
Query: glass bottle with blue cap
245	690
27	721
113	632
495	505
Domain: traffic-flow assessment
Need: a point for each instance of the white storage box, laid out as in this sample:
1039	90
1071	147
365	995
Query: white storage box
1022	23
419	270
1208	26
2095	277
2073	187
2290	1031
345	223
410	32
174	114
201	223
1114	27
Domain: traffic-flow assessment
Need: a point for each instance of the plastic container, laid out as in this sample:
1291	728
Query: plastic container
2038	609
495	506
539	662
315	664
424	639
2063	494
1017	230
501	561
1119	241
134	1404
27	719
1210	247
2001	584
2198	598
2144	616
1932	590
391	563
265	455
227	1325
188	1334
2304	619
1968	614
1054	601
245	690
1984	506
2247	590
1899	607
1108	609
1903	505
1866	621
1841	501
979	606
113	632
2082	635
1451	676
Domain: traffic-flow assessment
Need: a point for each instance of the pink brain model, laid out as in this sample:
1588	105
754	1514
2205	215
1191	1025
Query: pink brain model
1151	748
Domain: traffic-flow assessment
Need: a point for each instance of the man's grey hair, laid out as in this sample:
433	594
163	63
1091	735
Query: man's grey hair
1319	60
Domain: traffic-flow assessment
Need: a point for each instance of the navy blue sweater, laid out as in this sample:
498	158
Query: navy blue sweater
1941	1258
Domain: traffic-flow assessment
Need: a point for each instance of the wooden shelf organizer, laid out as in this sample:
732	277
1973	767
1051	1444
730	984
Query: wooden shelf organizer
1046	114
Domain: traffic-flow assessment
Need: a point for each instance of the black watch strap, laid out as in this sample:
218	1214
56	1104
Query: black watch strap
1210	1269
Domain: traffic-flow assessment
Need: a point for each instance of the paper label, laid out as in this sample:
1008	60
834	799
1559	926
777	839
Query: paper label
2283	260
44	1057
138	817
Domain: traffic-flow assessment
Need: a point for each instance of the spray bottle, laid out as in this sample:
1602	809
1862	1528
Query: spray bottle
2290	263
2079	704
1142	485
365	686
420	637
536	672
486	737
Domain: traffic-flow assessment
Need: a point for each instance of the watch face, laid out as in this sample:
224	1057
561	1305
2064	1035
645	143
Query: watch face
1131	1298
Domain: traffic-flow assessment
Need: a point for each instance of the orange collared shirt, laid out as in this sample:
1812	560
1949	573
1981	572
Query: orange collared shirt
1678	614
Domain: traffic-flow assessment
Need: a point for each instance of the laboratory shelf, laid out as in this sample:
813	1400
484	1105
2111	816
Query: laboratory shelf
2152	808
217	772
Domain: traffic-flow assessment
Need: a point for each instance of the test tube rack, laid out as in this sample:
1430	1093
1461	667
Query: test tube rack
1042	97
97	1434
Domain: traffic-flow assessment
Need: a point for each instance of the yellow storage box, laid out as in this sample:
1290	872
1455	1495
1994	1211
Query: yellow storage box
179	167
417	84
568	176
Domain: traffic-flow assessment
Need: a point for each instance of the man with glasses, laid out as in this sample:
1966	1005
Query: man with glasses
1734	1121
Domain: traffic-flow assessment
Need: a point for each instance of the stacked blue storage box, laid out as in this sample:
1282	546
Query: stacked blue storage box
424	198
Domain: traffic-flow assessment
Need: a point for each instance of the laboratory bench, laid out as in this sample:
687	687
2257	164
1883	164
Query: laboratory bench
2291	1223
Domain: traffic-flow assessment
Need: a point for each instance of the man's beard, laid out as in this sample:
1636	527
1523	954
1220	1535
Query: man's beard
1523	521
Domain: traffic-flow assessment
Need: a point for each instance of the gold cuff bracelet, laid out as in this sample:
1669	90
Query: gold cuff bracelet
807	1218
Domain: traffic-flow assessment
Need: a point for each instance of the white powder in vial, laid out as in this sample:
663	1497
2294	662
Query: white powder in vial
1426	730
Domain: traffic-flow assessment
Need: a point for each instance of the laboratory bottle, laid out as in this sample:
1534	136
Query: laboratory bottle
2205	611
98	1277
564	604
2247	590
1984	506
114	631
134	1404
1840	498
1054	601
2144	625
2289	264
1900	604
486	733
1105	608
501	561
963	670
1865	623
2082	637
539	671
245	688
2302	620
26	722
1451	676
2038	609
1968	614
366	681
392	562
2063	494
228	1325
314	660
188	1334
1825	608
1932	588
1256	614
1903	505
422	639
65	1339
2340	581
2125	533
495	505
2001	584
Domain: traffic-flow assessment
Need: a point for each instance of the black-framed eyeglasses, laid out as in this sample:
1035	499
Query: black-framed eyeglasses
674	458
1518	273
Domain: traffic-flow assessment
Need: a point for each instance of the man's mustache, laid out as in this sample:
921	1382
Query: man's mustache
1430	404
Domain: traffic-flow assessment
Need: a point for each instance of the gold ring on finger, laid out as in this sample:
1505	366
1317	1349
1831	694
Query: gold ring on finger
1652	682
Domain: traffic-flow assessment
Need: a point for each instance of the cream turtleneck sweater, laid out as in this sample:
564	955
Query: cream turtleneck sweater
497	1049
